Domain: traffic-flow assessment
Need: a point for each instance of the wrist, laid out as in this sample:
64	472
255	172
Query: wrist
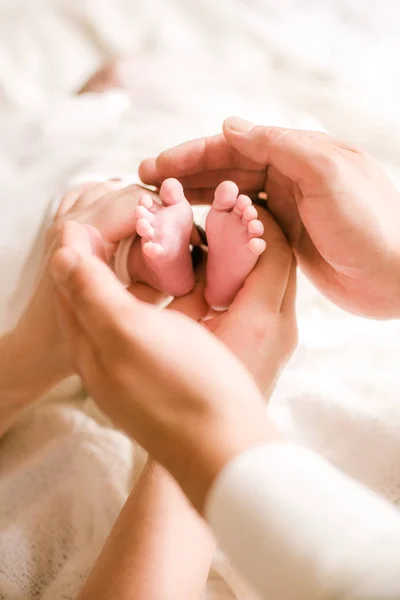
27	370
218	448
39	345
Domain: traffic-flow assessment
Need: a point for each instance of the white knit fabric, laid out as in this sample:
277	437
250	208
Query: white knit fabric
64	472
299	529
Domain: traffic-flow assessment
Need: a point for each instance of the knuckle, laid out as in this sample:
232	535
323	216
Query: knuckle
79	287
270	135
264	131
329	164
266	135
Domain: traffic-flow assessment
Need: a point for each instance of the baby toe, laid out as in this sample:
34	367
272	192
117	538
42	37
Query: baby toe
257	246
144	228
144	213
250	213
225	196
255	228
241	204
146	201
171	192
152	250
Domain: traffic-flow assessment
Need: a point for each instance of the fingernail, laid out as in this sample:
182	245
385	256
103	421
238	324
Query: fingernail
63	265
238	125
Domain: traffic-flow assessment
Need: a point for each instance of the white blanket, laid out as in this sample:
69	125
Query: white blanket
64	472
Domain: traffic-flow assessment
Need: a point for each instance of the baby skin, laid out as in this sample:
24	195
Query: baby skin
161	256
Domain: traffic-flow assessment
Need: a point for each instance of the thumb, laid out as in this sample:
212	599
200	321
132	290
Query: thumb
95	297
292	152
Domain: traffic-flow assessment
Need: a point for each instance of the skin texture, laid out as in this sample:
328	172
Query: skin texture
337	208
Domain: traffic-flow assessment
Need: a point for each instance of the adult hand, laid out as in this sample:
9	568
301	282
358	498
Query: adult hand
107	209
260	326
165	379
338	209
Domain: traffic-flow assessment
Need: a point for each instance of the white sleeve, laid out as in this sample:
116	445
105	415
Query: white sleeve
297	528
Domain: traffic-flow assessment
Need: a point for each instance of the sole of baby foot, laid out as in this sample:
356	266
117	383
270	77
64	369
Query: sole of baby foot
161	258
234	244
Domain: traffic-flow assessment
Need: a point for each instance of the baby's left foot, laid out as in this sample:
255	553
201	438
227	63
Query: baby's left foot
234	244
161	258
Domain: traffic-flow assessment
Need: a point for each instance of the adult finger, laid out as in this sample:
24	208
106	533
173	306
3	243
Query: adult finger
265	288
206	196
145	293
244	179
193	305
200	197
94	193
82	352
296	154
195	156
289	299
115	214
100	304
76	237
71	197
82	239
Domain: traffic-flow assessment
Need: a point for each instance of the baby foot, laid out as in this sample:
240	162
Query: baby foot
234	244
162	257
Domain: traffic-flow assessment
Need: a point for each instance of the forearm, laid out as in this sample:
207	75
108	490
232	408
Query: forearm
158	549
25	375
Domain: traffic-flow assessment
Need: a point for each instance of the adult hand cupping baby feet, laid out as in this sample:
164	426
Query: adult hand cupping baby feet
159	375
338	209
167	380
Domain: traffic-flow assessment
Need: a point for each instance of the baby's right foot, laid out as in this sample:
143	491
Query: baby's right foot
161	258
234	244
